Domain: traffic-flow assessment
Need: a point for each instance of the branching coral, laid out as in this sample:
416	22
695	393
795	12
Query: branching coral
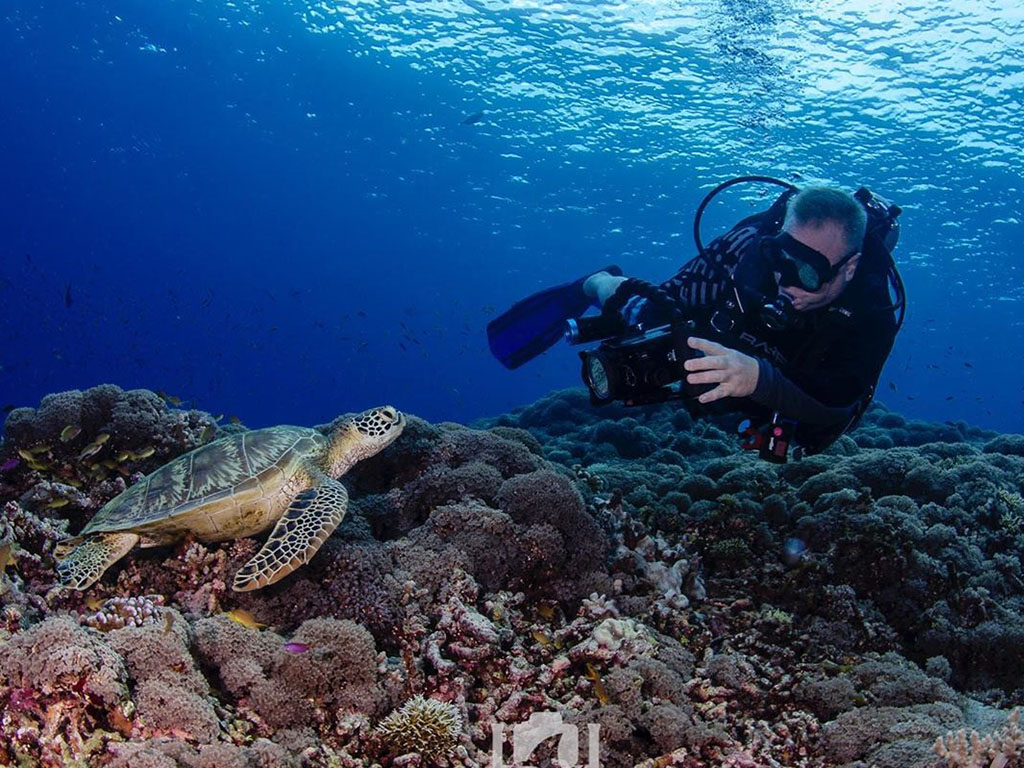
1003	748
429	727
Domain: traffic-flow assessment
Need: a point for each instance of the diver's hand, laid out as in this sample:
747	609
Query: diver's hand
735	373
601	285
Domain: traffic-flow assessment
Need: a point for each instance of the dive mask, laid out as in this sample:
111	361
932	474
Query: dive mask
799	265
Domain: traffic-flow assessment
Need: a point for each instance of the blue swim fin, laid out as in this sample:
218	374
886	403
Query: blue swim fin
534	324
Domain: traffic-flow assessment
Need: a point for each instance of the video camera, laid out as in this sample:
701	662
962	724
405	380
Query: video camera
639	366
635	364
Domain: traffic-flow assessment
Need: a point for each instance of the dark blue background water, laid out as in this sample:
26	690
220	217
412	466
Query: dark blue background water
278	211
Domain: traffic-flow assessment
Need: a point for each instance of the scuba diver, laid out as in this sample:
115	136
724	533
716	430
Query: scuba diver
787	319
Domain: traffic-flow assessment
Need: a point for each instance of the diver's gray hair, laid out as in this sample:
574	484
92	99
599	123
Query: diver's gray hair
815	205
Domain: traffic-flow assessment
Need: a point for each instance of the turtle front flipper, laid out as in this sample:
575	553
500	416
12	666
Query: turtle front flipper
86	562
303	528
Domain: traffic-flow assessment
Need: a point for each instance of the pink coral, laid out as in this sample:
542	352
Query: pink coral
171	710
58	683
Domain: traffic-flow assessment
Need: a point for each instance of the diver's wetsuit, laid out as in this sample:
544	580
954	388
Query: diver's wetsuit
821	375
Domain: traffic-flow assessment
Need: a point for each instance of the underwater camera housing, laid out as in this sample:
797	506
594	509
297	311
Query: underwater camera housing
634	364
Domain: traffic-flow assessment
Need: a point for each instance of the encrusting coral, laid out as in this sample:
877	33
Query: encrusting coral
623	568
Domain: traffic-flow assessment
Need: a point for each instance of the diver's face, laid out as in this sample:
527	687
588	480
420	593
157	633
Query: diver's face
828	240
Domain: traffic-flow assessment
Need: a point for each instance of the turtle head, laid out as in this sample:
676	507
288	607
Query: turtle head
363	436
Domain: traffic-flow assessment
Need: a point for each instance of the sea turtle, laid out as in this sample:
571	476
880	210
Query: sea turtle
237	486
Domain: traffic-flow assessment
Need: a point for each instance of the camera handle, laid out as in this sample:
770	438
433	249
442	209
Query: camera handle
636	288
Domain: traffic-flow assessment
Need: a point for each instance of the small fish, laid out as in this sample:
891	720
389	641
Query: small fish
295	647
546	611
109	463
234	420
218	417
244	618
5	556
101	438
208	434
168	621
69	433
90	450
473	119
173	400
38	466
67	296
57	504
892	385
123	455
25	454
145	453
94	603
8	465
35	450
541	637
598	686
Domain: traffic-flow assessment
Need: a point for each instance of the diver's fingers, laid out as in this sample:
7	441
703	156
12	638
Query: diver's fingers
707	377
706	363
715	394
706	346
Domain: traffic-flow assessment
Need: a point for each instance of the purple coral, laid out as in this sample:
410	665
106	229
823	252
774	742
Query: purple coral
60	679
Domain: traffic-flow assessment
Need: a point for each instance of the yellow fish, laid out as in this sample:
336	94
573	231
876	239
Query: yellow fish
94	603
5	556
234	420
597	685
90	450
146	452
207	435
540	637
102	438
244	618
57	504
38	466
70	432
25	455
546	611
123	455
173	400
37	449
168	621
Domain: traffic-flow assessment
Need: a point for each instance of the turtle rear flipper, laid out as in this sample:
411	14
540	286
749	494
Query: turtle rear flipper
303	528
87	561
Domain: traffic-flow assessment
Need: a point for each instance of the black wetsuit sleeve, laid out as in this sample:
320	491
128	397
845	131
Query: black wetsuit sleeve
778	393
831	386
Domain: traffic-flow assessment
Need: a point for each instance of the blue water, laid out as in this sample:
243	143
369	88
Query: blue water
280	211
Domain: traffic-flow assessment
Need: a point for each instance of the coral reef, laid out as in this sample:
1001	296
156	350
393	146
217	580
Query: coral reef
625	569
